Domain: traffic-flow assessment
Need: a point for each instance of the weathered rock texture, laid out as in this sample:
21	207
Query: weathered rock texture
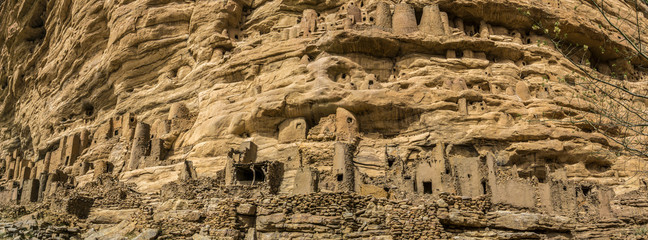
278	119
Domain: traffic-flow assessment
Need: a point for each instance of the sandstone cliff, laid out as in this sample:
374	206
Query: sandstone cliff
278	119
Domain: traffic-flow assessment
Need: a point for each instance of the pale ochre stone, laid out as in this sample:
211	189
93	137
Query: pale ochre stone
448	114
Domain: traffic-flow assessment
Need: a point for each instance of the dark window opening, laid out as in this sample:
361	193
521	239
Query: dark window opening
344	75
340	177
408	178
246	175
427	187
469	175
371	19
386	189
364	18
236	37
371	82
483	184
447	171
349	120
132	119
564	188
67	160
586	190
116	132
459	53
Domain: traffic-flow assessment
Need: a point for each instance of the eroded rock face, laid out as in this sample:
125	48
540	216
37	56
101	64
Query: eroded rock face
285	119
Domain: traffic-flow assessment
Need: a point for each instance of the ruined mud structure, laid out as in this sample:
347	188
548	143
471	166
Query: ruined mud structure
237	119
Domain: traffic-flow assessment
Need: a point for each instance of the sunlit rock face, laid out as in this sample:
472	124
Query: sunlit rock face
236	119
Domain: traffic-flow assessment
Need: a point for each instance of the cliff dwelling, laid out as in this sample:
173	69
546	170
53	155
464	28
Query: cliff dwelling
234	119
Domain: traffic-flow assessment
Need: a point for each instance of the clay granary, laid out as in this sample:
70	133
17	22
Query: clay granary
242	169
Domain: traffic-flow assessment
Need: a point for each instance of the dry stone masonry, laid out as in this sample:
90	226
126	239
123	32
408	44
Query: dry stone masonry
235	119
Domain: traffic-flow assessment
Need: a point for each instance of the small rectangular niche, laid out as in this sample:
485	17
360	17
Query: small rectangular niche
427	187
483	184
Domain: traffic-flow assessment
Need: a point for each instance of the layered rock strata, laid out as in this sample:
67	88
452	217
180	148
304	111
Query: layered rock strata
281	119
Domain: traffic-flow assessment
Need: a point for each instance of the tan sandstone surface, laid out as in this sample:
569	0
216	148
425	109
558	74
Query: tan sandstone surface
282	119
